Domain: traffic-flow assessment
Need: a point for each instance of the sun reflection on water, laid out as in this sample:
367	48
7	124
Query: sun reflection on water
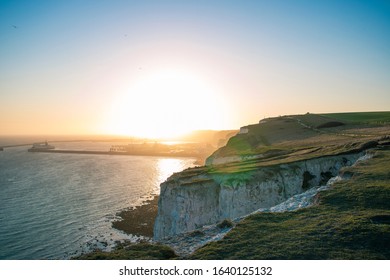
167	166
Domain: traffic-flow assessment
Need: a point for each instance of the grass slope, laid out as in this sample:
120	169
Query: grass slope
291	138
362	117
129	251
350	221
303	130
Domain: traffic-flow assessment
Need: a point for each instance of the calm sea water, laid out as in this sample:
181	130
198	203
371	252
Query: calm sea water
53	206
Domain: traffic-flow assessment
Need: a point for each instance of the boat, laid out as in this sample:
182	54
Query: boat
42	146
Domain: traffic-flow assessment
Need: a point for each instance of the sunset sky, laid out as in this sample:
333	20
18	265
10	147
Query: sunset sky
161	68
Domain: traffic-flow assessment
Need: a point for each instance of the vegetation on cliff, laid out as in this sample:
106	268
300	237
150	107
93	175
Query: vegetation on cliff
298	137
129	251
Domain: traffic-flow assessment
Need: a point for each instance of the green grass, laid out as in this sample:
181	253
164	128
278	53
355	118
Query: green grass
350	221
129	251
282	138
363	117
286	155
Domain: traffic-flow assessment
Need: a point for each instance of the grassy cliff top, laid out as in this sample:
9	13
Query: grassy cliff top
362	117
298	137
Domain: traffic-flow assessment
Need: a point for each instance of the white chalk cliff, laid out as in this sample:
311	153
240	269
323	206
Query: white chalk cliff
192	199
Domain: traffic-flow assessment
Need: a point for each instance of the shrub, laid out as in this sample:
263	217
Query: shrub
225	224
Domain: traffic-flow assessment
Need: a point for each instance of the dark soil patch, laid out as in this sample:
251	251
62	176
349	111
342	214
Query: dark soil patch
381	219
139	220
330	124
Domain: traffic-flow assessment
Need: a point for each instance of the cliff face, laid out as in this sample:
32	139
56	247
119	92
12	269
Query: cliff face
190	200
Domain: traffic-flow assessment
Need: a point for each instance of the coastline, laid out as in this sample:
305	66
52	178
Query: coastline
139	220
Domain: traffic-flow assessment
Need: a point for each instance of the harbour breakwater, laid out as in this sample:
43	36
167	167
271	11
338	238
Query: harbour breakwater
112	153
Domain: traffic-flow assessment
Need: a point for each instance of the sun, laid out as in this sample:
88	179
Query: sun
166	104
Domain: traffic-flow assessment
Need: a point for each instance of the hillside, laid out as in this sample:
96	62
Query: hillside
291	138
362	117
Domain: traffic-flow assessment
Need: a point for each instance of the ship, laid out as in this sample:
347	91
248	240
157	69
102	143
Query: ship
42	146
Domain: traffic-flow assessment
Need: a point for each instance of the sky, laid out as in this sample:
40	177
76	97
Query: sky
161	68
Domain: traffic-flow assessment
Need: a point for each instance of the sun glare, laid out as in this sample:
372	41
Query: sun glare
166	104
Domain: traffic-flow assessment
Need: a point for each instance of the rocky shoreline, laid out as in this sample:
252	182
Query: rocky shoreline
139	220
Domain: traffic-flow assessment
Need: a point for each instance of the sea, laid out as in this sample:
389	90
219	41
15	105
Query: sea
55	206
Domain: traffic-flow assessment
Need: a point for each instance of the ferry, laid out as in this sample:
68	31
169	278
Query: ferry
41	146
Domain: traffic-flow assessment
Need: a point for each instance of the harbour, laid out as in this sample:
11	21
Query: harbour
181	150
